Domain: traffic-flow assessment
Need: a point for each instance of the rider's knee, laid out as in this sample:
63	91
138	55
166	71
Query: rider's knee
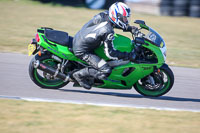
106	69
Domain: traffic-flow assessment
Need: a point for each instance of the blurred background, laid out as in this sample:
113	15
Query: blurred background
158	7
177	21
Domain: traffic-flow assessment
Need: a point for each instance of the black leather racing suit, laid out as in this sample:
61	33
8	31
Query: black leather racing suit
97	31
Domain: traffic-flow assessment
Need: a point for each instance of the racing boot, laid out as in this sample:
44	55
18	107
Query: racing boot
80	75
100	74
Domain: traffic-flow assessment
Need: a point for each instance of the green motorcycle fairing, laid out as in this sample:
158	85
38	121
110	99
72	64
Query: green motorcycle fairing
118	79
59	50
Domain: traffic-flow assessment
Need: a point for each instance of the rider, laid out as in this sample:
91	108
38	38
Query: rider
91	36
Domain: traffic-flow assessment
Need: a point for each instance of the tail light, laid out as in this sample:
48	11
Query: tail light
37	38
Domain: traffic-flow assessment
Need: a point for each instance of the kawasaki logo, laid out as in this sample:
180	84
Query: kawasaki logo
117	81
146	68
56	51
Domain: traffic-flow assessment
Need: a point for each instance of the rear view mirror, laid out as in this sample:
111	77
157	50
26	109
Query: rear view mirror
140	22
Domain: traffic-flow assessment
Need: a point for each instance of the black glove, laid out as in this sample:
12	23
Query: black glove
132	56
132	29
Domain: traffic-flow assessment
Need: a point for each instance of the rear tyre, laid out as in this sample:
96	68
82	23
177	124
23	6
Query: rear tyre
163	83
42	79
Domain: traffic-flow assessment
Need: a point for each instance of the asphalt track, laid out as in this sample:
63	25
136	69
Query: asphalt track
15	83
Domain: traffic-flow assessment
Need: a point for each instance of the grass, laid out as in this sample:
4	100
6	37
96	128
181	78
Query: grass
19	20
40	117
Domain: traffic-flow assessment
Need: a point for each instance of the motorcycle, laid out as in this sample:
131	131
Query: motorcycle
54	61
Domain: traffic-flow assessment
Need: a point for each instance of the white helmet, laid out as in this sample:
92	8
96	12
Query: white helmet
119	14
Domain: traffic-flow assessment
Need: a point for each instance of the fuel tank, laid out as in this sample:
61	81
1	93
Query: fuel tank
121	43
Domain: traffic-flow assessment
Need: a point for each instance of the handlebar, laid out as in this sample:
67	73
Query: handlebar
138	33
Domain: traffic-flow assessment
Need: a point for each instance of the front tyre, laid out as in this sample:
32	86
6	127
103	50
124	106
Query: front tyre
163	82
42	79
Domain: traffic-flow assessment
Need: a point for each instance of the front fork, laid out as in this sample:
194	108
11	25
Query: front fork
150	79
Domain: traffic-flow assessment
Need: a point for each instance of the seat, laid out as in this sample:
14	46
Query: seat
59	37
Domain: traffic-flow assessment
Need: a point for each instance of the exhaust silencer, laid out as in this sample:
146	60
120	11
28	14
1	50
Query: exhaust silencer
50	70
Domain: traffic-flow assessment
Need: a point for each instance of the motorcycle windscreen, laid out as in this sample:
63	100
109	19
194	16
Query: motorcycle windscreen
154	37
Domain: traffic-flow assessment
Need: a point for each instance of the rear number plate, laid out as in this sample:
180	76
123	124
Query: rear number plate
31	49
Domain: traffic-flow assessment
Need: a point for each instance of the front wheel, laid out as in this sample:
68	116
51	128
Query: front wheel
43	79
157	83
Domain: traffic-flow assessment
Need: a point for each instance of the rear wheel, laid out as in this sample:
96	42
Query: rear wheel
43	79
156	84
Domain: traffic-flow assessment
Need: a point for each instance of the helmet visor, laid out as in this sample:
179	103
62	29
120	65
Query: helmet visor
124	19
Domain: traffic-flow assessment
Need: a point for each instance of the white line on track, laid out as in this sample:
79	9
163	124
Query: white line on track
90	103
